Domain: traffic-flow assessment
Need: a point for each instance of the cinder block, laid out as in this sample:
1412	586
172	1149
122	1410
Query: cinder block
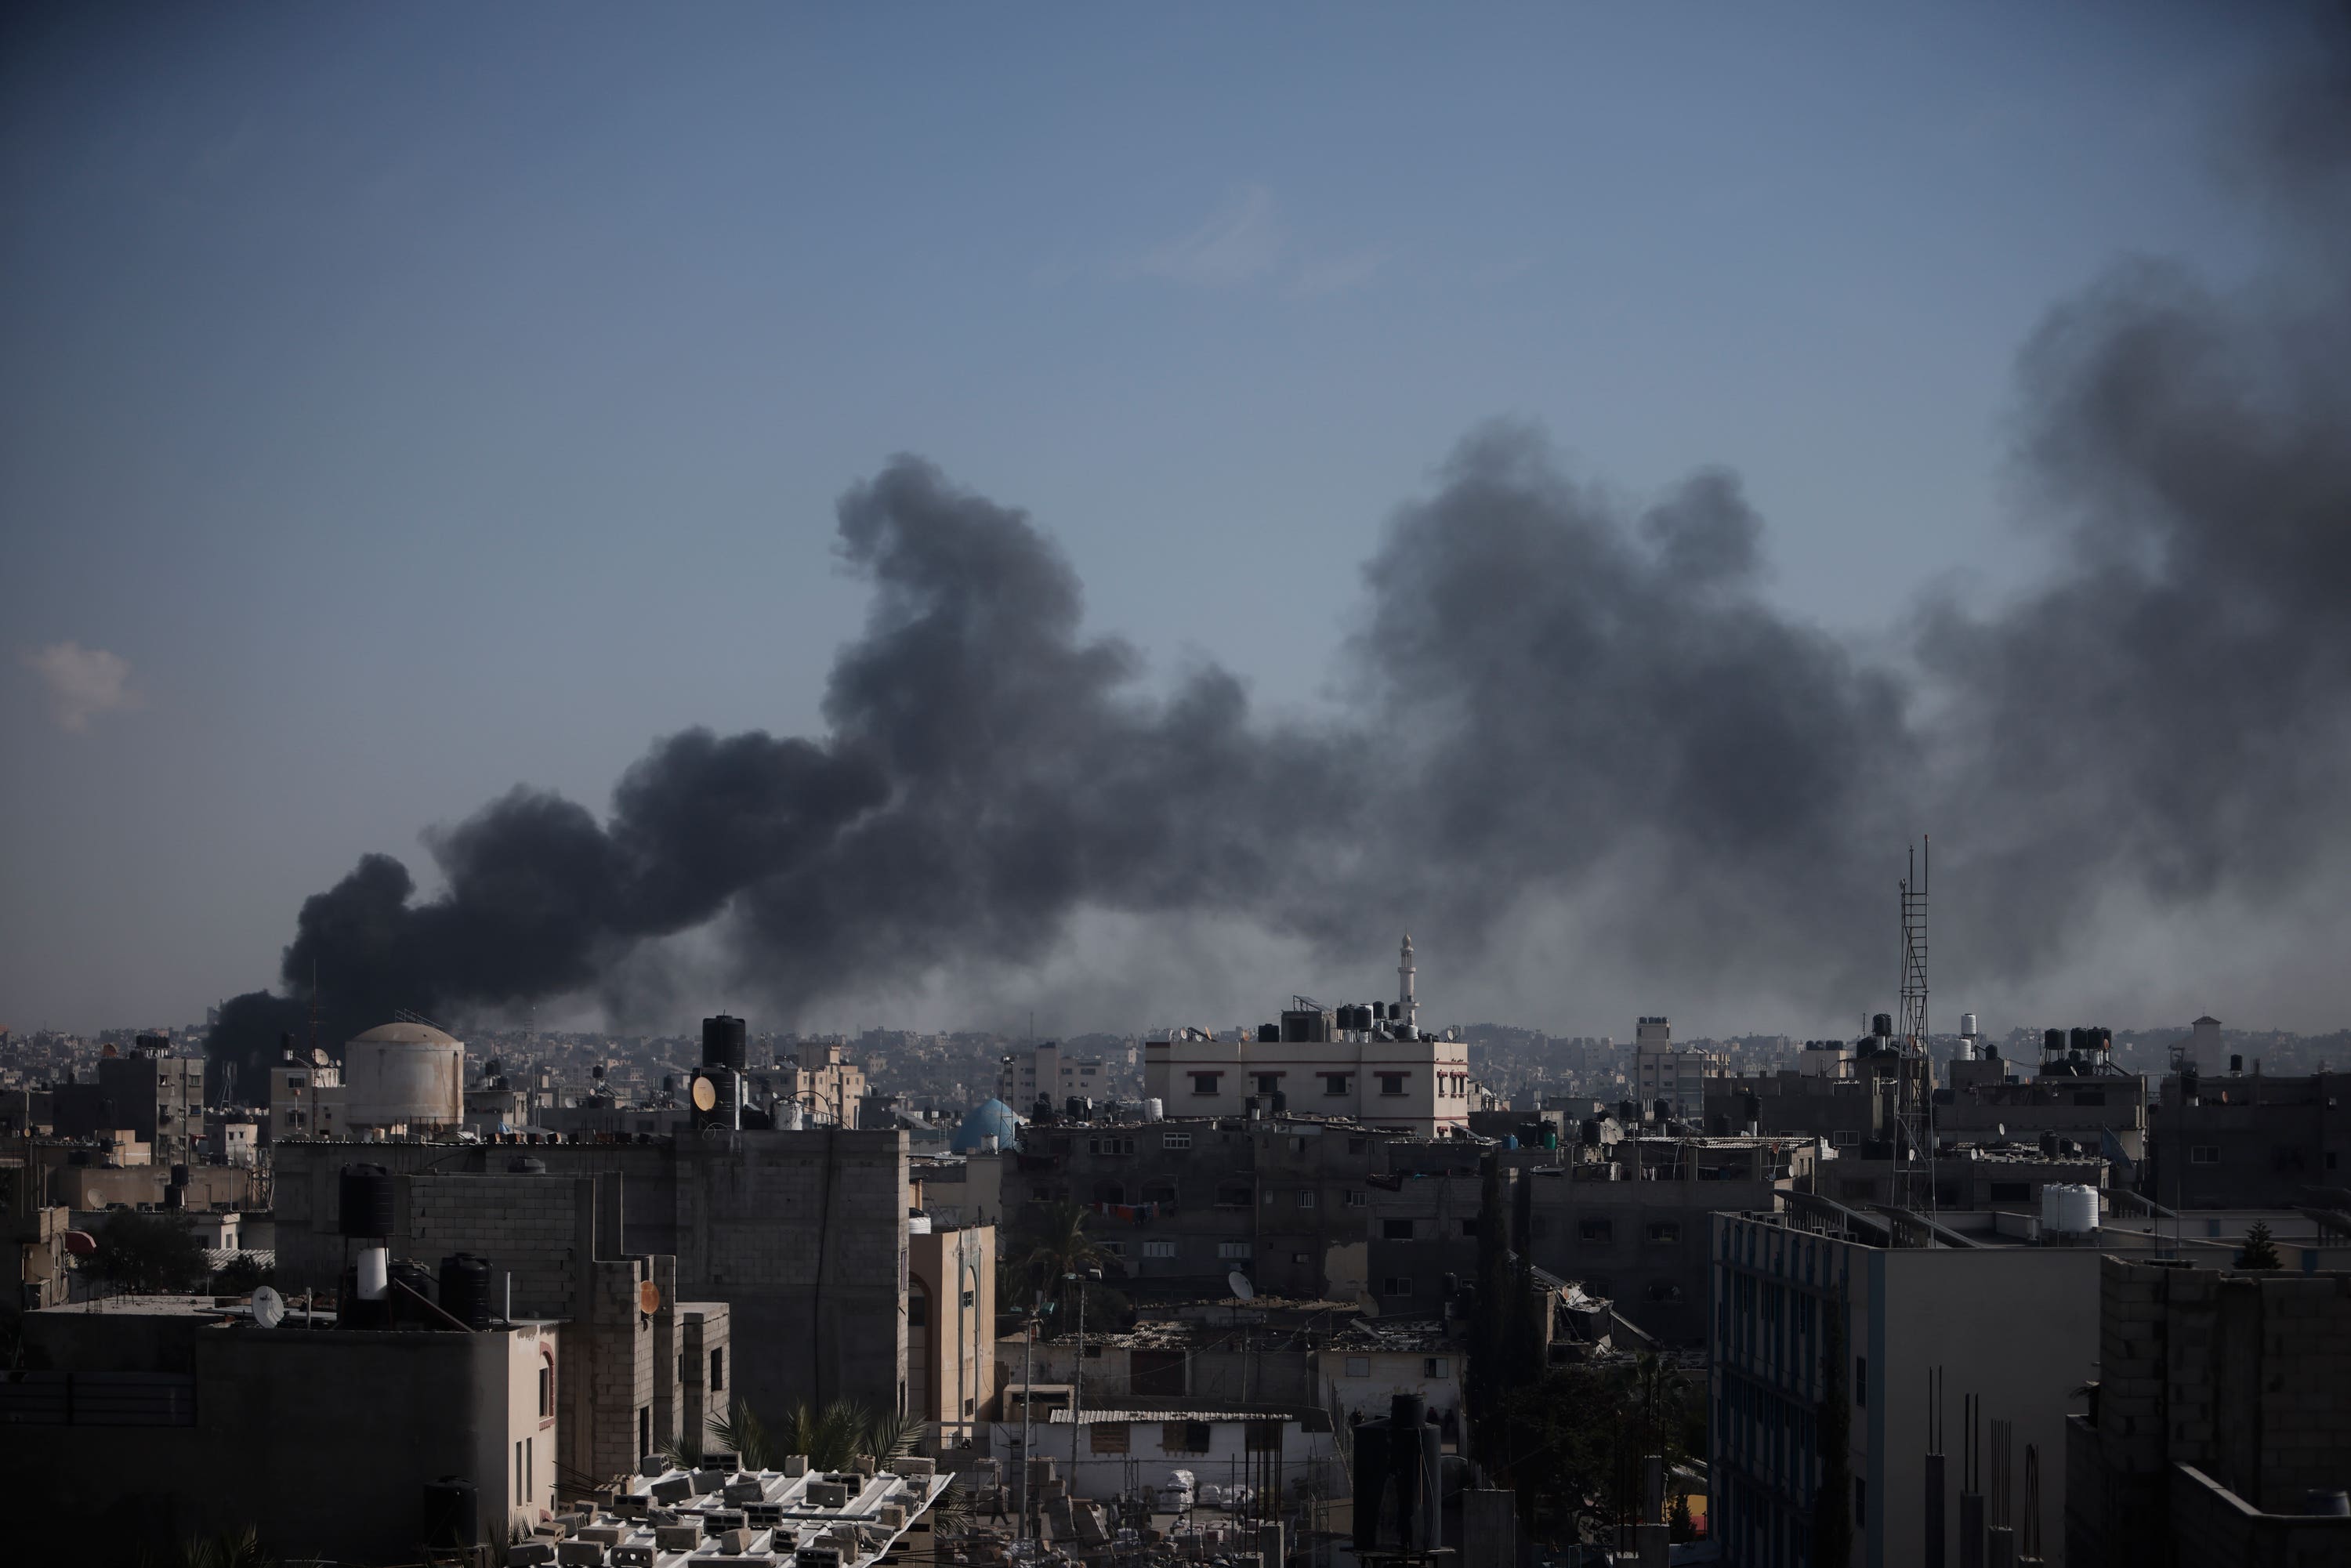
678	1537
580	1554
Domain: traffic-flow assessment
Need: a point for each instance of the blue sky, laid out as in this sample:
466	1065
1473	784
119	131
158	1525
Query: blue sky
413	401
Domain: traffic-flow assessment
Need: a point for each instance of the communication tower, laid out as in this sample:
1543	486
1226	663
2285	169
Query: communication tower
1914	1096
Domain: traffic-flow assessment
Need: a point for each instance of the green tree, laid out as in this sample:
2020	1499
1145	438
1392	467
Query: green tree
148	1255
2261	1252
239	1276
1047	1250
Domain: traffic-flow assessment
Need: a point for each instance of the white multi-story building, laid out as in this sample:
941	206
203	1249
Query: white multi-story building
1048	1070
1662	1072
307	1099
1370	1061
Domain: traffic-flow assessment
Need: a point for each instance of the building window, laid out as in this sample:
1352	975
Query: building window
1233	1194
1595	1230
717	1370
1159	1249
1396	1229
1305	1197
1108	1436
1359	1366
1861	1380
1183	1438
545	1391
1396	1285
1337	1083
1115	1249
1354	1198
966	1297
1391	1084
1233	1250
1845	1138
1110	1192
1269	1083
919	1310
1205	1083
2204	1155
1469	1227
1176	1141
1665	1230
1435	1366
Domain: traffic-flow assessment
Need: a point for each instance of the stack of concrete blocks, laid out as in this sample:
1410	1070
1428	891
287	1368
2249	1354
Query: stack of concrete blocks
2224	1404
803	1234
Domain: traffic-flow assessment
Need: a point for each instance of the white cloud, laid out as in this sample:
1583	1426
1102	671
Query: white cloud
82	683
1338	274
1240	243
1244	242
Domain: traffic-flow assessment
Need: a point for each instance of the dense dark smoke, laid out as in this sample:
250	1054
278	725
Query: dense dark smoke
1554	702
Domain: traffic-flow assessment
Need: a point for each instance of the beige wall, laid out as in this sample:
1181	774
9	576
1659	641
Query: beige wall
957	1380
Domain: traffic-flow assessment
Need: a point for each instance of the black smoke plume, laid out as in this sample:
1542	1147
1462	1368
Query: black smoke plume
1554	702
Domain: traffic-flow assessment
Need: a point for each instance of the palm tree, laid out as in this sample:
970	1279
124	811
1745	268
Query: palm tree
1056	1247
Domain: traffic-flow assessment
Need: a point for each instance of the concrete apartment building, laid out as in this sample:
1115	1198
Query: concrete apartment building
1661	1075
2219	1430
156	1097
1636	1228
1049	1072
1370	1062
158	1418
306	1098
2015	1325
828	1085
802	1235
2243	1140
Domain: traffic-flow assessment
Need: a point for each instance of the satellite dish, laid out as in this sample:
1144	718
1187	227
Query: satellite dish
648	1297
706	1095
268	1308
1241	1286
1369	1302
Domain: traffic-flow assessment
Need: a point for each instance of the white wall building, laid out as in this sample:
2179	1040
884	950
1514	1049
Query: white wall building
1662	1072
1047	1069
1372	1063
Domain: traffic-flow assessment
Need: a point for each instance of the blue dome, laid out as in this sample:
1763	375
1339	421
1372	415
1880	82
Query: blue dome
989	1119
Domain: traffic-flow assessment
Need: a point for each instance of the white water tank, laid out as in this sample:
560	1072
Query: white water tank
2068	1209
1154	1110
404	1074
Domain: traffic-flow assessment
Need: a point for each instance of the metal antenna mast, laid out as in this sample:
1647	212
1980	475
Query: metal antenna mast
1916	1092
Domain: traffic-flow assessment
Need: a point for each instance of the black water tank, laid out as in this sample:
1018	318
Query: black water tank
1371	1479
1405	1413
1379	1010
2078	1039
1882	1025
1277	1102
466	1290
725	1043
365	1205
179	1176
1268	1034
452	1513
1629	1111
2053	1041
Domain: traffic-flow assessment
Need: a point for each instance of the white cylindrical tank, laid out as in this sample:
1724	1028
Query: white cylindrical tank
1154	1110
1967	1024
375	1270
404	1074
2068	1209
918	1225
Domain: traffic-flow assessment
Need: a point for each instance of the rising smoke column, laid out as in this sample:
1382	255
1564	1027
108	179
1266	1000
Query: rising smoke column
1556	700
